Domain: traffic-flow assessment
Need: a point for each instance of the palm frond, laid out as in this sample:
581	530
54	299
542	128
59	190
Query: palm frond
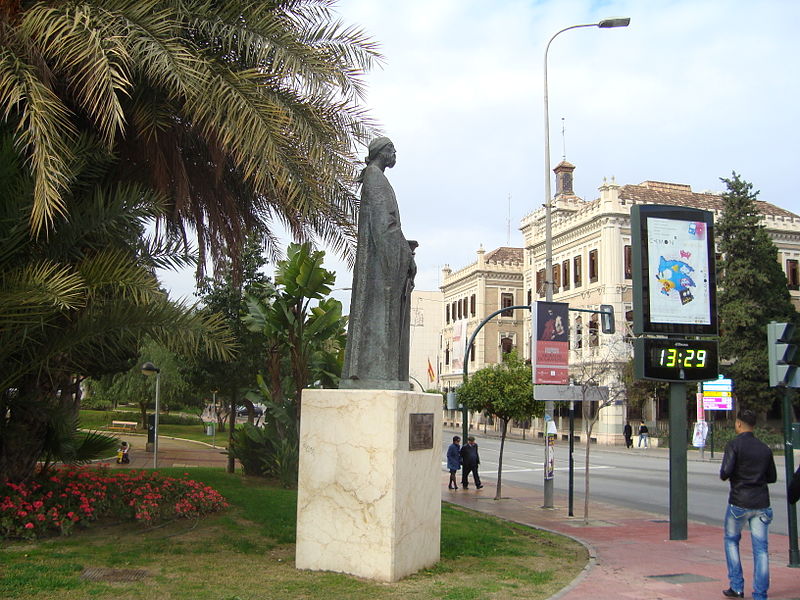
43	130
80	44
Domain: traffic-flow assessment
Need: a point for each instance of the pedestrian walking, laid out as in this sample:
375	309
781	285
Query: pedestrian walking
749	466
453	461
627	431
644	435
469	463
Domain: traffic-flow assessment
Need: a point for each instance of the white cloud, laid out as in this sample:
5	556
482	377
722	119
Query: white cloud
689	92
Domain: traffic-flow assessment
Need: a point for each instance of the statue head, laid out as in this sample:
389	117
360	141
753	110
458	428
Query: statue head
382	148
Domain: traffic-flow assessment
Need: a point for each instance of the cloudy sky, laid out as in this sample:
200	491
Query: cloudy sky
690	91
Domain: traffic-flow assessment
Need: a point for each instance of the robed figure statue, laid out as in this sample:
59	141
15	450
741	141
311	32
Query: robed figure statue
376	354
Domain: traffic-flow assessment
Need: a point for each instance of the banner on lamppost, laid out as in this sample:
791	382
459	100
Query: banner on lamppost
459	346
551	343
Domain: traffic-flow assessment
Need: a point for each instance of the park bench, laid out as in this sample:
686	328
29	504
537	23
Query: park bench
123	425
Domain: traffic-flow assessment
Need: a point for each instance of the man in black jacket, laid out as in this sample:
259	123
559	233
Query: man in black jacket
749	465
469	463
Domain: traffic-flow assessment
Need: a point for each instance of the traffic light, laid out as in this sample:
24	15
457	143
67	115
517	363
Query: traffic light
607	318
782	371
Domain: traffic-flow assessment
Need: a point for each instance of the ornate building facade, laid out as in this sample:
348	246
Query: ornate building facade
592	265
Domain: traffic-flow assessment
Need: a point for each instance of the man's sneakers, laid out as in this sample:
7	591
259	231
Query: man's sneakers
730	593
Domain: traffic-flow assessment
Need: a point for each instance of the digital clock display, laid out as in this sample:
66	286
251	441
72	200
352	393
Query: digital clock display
688	358
676	360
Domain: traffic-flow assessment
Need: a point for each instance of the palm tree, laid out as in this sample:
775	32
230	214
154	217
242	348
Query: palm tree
239	112
77	302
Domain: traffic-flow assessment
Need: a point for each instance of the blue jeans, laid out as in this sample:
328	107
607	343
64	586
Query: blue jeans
759	520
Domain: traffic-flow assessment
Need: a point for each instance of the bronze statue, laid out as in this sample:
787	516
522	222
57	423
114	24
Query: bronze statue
376	355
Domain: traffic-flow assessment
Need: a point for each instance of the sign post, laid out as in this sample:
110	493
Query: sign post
550	365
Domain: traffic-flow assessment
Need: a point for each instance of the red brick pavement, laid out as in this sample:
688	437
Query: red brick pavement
632	555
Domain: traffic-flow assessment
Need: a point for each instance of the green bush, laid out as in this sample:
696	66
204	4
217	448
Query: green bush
96	402
770	436
264	454
251	446
724	433
167	419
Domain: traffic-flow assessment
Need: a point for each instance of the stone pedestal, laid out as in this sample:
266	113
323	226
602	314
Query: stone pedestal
367	504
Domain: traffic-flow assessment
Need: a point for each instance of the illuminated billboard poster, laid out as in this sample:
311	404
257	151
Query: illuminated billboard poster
678	267
551	345
674	276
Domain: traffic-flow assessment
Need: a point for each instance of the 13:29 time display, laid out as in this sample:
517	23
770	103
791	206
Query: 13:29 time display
688	358
662	359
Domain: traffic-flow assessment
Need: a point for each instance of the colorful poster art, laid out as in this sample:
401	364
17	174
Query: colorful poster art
679	266
551	345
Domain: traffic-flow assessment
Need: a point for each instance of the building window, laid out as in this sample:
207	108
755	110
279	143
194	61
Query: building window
628	262
460	304
556	278
447	313
565	275
540	291
472	305
792	274
530	296
506	345
594	337
578	332
576	271
454	312
593	266
472	353
447	354
506	301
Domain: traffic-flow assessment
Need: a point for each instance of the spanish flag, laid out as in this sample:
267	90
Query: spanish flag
431	374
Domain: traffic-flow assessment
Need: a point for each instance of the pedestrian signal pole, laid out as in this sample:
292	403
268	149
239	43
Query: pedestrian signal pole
783	373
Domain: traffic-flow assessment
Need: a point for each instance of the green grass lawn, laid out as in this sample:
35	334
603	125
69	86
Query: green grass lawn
247	553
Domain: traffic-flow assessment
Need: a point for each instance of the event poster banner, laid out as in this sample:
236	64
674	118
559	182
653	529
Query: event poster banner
551	344
459	346
678	262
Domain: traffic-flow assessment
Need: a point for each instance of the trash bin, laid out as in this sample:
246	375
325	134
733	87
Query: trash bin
210	428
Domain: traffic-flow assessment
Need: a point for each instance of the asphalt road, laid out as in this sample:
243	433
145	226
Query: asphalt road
636	478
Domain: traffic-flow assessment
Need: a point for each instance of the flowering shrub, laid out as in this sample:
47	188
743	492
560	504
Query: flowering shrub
72	496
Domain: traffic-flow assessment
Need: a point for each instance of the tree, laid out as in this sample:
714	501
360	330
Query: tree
78	302
238	112
602	367
226	294
752	292
506	391
638	391
305	348
312	337
135	388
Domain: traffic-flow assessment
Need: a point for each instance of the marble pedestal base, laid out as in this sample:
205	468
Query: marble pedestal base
367	505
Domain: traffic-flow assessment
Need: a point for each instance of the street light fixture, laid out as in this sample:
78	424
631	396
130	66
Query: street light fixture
548	221
149	369
214	416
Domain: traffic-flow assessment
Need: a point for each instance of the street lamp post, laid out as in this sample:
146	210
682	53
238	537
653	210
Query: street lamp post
148	369
548	223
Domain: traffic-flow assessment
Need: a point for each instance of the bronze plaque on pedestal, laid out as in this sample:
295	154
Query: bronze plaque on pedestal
420	431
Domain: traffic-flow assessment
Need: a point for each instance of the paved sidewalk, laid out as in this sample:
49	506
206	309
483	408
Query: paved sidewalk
632	555
171	453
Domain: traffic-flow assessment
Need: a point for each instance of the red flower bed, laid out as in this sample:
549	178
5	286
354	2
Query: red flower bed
71	497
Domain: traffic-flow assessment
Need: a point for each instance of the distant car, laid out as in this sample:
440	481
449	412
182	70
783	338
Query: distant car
242	411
